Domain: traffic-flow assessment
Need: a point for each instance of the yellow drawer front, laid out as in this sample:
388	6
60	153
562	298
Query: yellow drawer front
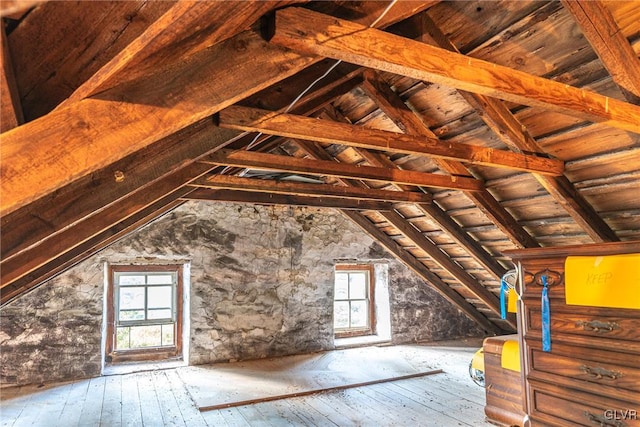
603	281
510	358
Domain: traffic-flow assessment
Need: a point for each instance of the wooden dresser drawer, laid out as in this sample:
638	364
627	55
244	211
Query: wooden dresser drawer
567	320
558	406
615	381
617	331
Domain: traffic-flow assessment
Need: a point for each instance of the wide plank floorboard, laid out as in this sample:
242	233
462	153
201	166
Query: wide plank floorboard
92	408
112	403
131	411
161	398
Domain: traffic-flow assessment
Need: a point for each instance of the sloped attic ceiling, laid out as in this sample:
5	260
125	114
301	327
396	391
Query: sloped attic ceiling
449	131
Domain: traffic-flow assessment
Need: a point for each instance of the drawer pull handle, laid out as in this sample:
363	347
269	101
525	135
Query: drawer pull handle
603	421
600	373
598	326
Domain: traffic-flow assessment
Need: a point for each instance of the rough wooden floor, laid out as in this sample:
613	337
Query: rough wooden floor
160	398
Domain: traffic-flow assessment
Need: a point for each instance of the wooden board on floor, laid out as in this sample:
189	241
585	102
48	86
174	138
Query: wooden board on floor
234	384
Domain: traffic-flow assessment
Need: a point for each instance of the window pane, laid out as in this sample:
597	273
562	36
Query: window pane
358	285
160	279
342	286
159	297
131	315
146	336
122	338
167	334
340	314
359	314
129	280
164	313
132	298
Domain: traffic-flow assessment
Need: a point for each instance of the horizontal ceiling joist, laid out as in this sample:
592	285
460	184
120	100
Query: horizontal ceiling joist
311	129
304	189
315	33
237	196
277	163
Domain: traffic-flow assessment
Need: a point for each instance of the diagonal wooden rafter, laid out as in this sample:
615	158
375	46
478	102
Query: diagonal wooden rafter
318	34
129	104
607	40
237	196
318	153
446	223
435	213
76	206
443	289
271	162
300	127
514	134
393	106
186	20
416	236
26	262
9	7
94	132
10	108
304	189
82	251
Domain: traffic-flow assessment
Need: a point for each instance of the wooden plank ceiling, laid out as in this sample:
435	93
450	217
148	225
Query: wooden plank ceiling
448	131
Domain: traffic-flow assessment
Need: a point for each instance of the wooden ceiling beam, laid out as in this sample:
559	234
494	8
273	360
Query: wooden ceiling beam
10	107
369	12
186	28
70	206
608	41
304	189
271	162
436	283
237	196
67	144
515	135
11	7
314	33
27	261
443	260
395	108
89	247
299	127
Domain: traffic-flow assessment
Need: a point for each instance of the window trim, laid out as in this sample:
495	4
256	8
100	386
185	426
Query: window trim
371	329
151	353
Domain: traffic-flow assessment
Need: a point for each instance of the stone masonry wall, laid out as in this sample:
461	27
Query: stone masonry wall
261	286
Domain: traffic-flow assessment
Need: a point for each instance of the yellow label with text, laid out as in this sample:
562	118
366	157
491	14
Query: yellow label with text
512	301
510	358
603	281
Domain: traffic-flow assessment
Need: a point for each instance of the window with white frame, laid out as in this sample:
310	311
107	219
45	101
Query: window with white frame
354	308
145	311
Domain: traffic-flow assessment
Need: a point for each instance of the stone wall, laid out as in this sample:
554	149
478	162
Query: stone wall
261	285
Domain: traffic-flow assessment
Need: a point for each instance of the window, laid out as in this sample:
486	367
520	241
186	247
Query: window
353	312
145	312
